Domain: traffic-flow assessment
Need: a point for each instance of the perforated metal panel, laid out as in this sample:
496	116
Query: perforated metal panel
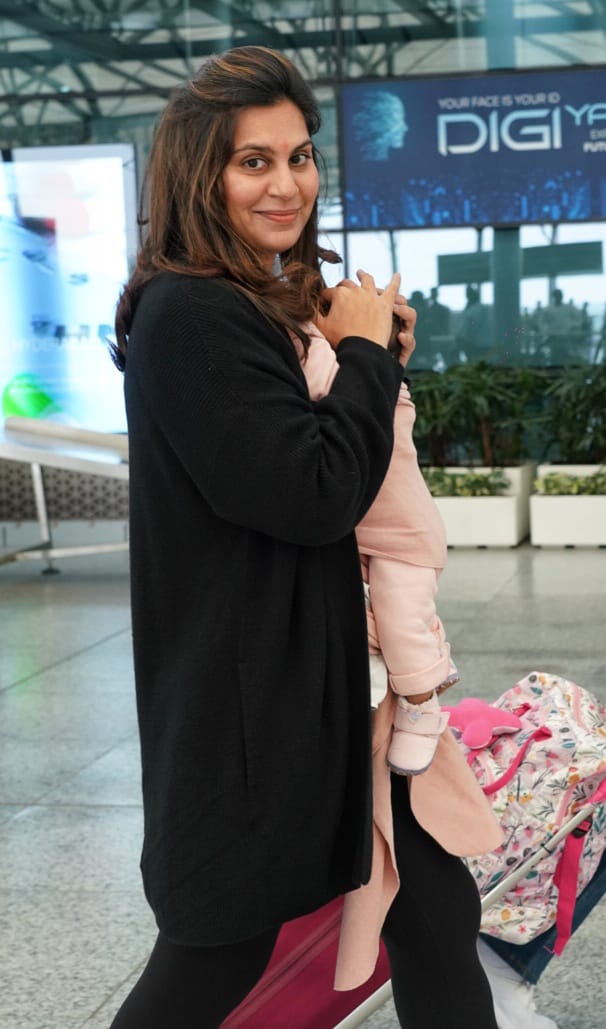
69	495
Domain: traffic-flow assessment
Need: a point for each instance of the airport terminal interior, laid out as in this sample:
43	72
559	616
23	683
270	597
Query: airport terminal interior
462	144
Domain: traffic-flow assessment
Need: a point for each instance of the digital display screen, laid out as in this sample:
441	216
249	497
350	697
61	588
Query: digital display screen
67	237
497	149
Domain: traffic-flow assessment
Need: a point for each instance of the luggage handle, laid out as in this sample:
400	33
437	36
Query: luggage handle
566	876
542	733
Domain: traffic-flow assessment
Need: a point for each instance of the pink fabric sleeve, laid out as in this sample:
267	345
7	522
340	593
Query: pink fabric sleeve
411	635
404	523
320	366
399	538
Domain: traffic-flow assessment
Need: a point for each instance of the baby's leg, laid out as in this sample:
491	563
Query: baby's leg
420	698
409	633
417	656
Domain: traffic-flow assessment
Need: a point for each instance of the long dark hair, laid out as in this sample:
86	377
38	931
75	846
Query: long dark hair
185	227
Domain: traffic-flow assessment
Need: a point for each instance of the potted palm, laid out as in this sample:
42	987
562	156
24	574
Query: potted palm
472	429
569	505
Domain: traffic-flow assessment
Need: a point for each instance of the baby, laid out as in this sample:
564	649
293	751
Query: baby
402	547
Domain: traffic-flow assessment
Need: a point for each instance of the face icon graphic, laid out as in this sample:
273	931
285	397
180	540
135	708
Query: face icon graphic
380	125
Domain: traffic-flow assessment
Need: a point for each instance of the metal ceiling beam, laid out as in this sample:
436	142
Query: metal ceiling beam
297	40
82	47
22	99
88	48
77	44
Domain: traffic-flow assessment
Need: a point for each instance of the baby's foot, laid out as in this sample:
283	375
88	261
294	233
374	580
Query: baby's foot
416	730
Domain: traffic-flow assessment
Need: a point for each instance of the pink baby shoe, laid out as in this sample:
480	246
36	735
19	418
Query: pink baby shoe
417	728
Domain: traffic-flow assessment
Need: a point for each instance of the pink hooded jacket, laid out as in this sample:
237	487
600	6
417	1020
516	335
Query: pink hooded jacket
403	524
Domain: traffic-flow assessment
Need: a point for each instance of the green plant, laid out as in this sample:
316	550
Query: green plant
560	484
476	414
438	420
466	483
575	416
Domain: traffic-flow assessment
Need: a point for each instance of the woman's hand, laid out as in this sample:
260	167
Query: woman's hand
407	317
359	310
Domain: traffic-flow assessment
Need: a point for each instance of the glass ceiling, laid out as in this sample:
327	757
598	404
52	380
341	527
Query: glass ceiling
73	61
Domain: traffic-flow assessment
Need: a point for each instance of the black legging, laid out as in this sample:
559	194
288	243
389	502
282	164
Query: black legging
194	987
430	933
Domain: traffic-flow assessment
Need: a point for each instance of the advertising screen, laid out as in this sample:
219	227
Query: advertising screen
67	235
500	149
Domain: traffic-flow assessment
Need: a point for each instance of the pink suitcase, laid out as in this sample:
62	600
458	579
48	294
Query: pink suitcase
296	990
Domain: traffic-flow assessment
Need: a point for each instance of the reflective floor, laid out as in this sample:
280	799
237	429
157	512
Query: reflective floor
74	926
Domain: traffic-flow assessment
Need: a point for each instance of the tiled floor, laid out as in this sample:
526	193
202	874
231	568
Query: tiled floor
74	926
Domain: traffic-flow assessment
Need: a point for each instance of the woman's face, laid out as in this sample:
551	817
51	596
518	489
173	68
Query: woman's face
270	184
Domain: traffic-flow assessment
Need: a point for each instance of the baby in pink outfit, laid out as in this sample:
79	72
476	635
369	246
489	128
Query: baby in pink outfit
402	548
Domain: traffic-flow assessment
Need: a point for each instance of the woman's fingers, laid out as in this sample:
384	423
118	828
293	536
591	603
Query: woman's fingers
407	342
408	317
407	345
329	291
368	282
394	285
391	290
359	310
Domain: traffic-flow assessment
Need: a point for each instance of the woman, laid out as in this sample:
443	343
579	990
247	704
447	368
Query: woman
248	610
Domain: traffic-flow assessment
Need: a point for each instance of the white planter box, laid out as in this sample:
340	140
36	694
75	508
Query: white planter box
561	521
489	521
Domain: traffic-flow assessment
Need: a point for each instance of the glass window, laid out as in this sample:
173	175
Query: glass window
92	73
558	34
390	38
564	308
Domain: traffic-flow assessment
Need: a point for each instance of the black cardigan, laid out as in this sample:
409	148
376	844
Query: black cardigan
248	616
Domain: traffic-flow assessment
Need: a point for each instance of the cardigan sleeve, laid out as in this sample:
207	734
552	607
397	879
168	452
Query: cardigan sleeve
218	381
